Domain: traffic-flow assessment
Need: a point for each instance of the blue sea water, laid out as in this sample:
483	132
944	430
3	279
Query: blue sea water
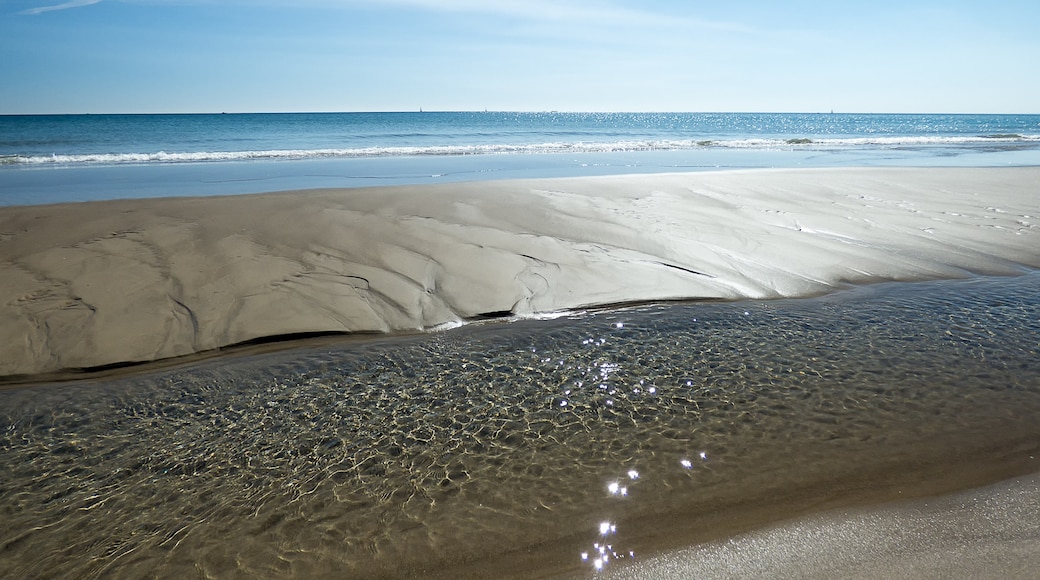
50	158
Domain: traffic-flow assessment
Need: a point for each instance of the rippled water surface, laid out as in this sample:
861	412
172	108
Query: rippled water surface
561	437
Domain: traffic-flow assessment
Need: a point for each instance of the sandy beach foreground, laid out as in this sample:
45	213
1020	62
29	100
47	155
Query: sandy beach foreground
105	283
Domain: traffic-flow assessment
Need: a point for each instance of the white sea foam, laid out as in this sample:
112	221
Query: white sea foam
531	148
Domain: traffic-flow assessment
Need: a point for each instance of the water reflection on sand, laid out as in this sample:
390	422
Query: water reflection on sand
576	441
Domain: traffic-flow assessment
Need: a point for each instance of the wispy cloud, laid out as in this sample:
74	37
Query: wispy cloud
595	12
70	4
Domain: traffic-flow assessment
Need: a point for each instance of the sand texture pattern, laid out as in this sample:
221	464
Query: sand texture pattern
101	283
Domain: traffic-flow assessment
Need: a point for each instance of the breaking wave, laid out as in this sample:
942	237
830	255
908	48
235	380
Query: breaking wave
532	148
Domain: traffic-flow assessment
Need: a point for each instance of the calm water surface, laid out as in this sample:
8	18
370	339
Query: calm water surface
565	436
60	158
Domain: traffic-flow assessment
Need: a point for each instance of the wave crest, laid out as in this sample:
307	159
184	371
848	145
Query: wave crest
491	149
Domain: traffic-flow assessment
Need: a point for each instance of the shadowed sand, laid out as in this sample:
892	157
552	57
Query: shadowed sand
102	283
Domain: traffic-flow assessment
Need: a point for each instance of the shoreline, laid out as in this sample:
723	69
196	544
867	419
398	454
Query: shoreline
764	530
982	531
289	344
127	281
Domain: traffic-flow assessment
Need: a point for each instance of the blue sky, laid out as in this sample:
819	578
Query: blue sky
94	56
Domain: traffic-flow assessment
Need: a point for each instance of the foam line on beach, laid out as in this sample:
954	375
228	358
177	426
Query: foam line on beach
554	147
102	283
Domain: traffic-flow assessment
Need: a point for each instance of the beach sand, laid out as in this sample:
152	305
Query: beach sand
96	284
989	532
100	284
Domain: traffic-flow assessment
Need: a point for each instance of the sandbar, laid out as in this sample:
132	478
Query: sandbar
96	284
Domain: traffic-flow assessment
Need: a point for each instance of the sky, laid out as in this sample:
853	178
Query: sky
168	56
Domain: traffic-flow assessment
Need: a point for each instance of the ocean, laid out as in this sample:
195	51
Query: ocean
57	158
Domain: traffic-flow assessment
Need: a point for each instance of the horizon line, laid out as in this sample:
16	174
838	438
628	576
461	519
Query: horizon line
422	111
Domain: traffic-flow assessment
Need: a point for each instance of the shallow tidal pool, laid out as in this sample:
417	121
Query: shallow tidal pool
565	445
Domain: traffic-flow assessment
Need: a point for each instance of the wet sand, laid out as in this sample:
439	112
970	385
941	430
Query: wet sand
989	532
106	283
